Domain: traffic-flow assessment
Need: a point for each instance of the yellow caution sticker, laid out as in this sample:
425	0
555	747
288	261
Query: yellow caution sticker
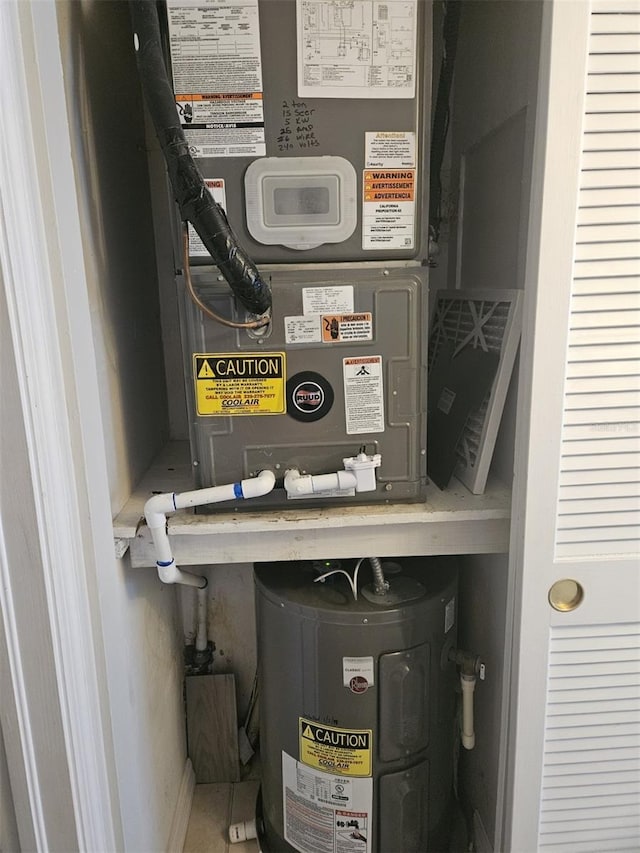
345	752
240	383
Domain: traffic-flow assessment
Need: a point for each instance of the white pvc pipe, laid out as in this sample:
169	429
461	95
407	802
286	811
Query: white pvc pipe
242	831
157	507
201	632
299	484
468	684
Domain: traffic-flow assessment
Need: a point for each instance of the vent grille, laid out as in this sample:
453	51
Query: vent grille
491	321
599	488
591	772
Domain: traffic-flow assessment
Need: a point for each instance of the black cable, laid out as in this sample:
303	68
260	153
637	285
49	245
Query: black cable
196	203
450	27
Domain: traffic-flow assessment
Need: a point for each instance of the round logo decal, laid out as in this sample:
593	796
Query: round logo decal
358	684
307	397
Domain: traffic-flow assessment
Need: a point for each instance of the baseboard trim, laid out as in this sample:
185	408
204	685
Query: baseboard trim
480	838
182	812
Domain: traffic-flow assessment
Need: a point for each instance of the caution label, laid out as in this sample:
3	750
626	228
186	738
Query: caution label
345	752
388	208
337	328
240	384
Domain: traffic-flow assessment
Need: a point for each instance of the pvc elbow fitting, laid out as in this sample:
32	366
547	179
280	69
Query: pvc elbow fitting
258	486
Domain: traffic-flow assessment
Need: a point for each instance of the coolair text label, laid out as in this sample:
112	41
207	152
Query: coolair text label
346	752
246	384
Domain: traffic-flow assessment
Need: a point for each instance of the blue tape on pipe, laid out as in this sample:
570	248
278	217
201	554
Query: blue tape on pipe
237	490
163	564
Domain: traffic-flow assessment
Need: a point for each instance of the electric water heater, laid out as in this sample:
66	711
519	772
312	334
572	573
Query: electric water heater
357	707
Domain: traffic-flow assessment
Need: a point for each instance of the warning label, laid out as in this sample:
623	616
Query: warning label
337	328
325	813
240	384
363	394
346	752
217	76
388	208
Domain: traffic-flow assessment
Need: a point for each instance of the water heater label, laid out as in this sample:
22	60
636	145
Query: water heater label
240	384
360	49
217	76
216	188
324	813
346	752
355	671
363	394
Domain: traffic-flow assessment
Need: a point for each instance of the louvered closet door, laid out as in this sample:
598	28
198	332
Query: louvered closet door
591	772
577	745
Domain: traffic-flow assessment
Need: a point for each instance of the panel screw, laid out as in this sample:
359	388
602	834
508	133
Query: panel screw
388	487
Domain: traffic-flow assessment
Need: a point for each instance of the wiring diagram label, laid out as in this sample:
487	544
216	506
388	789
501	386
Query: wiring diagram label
363	394
240	384
217	76
325	813
360	49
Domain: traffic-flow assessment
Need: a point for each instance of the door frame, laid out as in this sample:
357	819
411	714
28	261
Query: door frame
45	286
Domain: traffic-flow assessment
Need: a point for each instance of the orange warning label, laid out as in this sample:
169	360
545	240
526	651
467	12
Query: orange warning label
389	185
220	96
337	328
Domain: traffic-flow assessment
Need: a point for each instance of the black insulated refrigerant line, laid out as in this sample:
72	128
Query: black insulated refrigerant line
441	114
190	191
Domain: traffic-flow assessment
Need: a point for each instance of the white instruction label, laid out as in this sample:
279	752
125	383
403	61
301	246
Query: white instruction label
359	49
355	671
363	394
325	813
216	188
328	300
388	149
302	330
217	75
388	208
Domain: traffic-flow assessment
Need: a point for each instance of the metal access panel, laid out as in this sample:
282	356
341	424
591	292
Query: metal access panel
332	99
341	367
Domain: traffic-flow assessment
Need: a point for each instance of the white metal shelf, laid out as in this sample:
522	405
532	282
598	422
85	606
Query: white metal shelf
450	522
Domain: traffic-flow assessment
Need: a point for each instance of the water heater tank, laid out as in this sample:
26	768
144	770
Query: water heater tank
357	707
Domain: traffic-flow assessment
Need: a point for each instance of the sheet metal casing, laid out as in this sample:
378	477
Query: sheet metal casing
229	448
339	127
